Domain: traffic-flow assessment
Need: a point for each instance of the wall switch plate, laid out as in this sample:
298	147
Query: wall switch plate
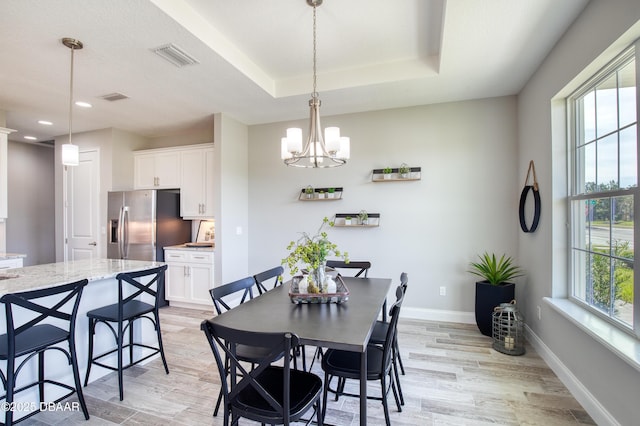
443	291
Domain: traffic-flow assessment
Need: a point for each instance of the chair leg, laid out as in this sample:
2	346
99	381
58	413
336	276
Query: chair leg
327	382
394	366
397	349
395	393
130	326
385	406
8	414
92	331
119	346
76	378
215	411
319	412
160	346
41	375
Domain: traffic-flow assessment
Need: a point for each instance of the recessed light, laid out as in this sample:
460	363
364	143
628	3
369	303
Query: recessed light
84	104
45	123
31	138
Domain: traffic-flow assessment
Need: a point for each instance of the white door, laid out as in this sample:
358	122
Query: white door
83	208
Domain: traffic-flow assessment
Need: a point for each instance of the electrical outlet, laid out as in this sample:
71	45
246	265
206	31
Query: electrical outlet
539	313
443	291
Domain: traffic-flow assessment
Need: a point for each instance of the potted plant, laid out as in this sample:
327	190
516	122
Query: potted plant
387	172
320	193
347	220
311	252
331	192
404	171
494	288
363	217
308	191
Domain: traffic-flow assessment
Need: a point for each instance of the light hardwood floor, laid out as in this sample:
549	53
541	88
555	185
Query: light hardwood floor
453	378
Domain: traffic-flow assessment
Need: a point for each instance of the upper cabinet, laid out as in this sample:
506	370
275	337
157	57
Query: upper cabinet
156	169
196	188
4	135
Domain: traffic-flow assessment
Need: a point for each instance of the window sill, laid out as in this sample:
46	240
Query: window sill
620	343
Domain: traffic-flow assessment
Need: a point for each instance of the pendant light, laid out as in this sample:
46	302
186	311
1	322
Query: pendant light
70	152
330	151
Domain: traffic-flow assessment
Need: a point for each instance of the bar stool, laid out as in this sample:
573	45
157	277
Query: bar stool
128	309
30	319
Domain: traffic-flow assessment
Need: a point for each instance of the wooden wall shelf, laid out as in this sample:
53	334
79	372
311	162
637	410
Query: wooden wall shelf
320	194
415	173
340	220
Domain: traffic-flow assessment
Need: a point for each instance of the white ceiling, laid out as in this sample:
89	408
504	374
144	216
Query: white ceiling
255	58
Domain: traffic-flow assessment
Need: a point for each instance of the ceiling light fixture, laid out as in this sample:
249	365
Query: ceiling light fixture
31	138
45	123
333	148
70	152
84	104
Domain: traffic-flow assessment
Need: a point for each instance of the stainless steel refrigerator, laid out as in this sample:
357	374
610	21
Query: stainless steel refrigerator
142	222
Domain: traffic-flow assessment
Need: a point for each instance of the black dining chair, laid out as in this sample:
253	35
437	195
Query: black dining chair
346	365
121	316
225	297
273	274
356	267
267	393
38	321
379	334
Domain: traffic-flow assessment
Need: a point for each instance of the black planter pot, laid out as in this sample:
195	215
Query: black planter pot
488	297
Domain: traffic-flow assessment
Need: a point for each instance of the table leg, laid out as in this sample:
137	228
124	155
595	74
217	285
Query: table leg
363	388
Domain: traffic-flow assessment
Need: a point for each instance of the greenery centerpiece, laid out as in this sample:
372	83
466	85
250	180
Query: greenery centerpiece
312	251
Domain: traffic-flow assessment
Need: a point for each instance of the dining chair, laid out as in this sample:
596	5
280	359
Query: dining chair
346	365
121	316
378	337
264	276
267	393
361	266
38	321
225	297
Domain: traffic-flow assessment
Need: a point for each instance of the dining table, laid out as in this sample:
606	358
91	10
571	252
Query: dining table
346	326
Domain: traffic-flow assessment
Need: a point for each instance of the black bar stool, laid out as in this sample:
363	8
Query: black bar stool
128	309
30	317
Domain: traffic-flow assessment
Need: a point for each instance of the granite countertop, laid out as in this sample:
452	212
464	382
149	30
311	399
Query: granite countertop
7	256
52	274
186	247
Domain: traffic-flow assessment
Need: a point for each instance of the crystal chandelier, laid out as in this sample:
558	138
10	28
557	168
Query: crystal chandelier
70	152
331	151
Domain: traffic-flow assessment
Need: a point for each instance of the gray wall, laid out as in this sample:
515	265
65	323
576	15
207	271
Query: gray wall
607	382
31	223
466	202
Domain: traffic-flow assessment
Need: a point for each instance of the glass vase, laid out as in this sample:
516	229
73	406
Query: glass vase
317	278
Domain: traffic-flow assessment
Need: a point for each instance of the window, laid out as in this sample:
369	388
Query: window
604	192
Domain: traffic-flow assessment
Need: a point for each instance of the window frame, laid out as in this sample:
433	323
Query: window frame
575	180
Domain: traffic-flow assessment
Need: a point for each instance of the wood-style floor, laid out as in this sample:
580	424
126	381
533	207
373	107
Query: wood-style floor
453	378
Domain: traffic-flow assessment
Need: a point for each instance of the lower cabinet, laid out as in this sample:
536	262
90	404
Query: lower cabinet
189	278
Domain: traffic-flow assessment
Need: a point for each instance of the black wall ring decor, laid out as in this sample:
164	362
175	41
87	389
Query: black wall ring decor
536	198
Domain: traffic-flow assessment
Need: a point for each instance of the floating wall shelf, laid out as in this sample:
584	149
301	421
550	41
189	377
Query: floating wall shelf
415	173
340	220
320	194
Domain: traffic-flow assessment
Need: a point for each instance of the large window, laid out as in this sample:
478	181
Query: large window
604	193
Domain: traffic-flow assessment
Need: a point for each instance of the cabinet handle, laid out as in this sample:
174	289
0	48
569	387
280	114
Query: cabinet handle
199	257
187	271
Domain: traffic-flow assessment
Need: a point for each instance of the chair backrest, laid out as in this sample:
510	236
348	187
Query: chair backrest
224	340
219	293
394	316
263	277
130	285
361	266
56	304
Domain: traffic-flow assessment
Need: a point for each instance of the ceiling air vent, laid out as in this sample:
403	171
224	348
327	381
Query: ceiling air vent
111	97
175	55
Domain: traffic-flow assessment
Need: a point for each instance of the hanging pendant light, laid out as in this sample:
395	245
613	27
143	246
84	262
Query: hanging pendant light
70	152
331	151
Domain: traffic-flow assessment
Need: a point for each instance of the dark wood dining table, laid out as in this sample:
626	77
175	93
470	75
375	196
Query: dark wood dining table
345	326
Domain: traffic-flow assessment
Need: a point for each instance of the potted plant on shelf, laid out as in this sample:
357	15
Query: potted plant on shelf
311	252
347	220
308	192
494	288
363	217
331	192
320	193
386	172
404	171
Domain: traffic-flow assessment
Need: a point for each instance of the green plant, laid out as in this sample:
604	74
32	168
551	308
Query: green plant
387	170
495	271
348	218
403	169
312	251
308	190
331	190
363	216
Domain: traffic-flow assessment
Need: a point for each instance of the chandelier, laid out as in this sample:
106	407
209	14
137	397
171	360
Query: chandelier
70	152
331	151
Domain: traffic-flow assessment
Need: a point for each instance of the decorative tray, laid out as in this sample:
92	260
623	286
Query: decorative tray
298	292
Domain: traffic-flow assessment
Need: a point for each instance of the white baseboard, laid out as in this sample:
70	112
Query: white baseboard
597	412
438	315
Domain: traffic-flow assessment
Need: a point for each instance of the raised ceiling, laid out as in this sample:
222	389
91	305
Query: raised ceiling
255	58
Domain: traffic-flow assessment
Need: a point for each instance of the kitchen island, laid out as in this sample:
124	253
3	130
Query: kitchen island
101	290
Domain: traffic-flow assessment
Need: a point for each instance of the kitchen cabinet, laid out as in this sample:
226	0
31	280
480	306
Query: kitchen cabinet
189	277
4	135
196	186
10	264
156	169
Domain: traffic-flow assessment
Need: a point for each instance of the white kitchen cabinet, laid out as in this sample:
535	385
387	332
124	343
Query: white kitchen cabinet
189	278
196	189
4	135
10	264
156	169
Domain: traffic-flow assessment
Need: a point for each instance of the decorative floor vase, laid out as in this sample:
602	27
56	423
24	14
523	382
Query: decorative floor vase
488	297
